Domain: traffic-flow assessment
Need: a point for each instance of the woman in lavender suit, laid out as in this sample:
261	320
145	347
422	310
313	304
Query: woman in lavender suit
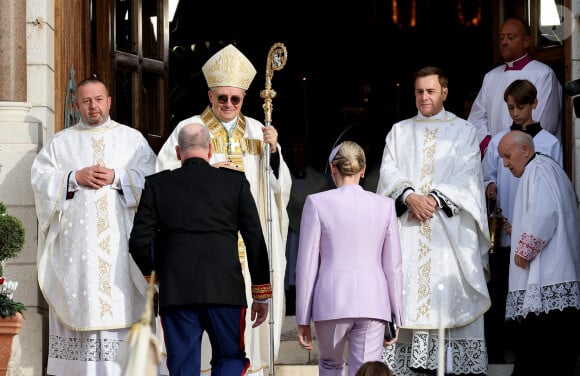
357	284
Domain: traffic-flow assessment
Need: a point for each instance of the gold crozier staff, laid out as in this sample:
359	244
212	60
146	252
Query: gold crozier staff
276	61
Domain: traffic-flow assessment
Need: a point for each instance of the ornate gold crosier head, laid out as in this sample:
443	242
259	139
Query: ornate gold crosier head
276	61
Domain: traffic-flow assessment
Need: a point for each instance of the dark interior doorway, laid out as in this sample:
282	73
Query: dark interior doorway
349	68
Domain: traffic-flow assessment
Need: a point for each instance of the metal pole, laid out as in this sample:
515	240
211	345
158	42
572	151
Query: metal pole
276	61
269	244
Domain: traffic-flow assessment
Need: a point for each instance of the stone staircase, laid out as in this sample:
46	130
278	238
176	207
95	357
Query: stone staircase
294	361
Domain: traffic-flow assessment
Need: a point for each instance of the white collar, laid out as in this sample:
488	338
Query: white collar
229	126
511	63
106	124
441	115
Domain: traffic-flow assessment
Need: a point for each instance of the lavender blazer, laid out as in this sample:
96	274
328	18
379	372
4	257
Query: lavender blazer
356	235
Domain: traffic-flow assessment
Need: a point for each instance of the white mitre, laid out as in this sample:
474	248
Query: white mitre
229	67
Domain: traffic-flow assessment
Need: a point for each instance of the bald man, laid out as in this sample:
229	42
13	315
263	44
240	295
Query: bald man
544	274
191	217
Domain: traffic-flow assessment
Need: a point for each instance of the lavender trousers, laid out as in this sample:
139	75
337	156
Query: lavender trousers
365	343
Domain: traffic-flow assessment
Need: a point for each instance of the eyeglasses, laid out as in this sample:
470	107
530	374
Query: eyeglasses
223	99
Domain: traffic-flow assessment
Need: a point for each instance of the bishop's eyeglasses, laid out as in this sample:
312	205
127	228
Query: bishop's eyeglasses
223	99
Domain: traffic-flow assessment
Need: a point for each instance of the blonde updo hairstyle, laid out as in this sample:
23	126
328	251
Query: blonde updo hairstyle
349	159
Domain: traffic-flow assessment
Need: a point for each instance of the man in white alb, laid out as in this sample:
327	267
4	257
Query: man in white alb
87	182
431	167
543	297
489	113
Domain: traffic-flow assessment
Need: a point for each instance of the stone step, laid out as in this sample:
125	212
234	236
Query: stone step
296	370
290	351
312	370
295	361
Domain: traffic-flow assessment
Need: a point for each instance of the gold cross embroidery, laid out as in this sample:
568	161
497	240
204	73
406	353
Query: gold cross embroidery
232	144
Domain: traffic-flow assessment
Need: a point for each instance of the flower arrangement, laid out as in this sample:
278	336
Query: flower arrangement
11	242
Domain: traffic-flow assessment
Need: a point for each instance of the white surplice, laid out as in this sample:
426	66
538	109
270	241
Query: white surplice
244	146
489	112
506	183
85	271
547	225
444	258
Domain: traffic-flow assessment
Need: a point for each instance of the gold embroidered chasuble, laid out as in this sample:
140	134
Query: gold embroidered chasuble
444	258
84	269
